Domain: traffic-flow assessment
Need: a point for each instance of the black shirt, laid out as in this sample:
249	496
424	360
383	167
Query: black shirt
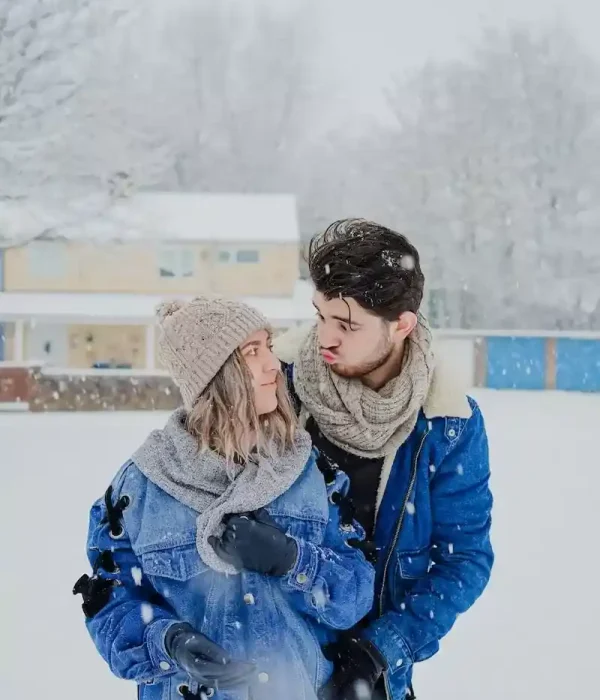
364	474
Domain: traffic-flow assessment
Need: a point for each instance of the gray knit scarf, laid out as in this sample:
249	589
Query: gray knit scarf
364	422
212	486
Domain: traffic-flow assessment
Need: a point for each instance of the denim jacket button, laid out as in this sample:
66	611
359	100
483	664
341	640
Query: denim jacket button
263	677
302	578
165	666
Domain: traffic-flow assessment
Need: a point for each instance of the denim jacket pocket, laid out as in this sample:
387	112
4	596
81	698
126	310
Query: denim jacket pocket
414	565
180	563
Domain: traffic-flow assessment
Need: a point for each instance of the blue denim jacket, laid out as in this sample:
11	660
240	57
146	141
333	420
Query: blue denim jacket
279	623
433	535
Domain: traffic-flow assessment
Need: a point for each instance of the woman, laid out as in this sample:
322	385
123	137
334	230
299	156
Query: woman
220	562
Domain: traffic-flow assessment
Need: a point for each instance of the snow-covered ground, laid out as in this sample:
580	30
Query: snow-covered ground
533	634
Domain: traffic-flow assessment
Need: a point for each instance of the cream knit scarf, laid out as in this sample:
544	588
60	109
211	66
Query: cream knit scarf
364	422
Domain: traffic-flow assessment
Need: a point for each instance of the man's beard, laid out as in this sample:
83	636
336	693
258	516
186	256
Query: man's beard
380	356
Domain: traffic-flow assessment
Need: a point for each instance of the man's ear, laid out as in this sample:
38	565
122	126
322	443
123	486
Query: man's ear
405	325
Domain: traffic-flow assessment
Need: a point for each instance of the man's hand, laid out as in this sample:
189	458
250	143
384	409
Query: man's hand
253	542
206	662
358	665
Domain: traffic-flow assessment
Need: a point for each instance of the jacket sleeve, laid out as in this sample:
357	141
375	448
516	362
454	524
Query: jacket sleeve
332	581
462	554
130	626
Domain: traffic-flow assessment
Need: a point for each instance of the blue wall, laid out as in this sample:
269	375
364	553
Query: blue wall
577	364
2	343
516	363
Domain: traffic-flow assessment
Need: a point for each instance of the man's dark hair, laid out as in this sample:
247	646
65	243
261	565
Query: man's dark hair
375	266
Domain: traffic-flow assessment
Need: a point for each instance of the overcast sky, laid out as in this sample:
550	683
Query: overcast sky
371	39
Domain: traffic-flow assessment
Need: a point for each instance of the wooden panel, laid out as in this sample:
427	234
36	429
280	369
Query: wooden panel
107	345
14	384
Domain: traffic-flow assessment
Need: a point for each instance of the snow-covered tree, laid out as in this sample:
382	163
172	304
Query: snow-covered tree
494	164
241	83
44	47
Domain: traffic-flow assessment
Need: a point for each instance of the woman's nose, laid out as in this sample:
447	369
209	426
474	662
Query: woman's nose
273	363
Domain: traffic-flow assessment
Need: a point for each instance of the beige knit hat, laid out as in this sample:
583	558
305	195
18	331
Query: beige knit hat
197	338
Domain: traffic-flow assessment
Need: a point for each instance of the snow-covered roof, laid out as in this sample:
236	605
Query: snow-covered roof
164	216
127	308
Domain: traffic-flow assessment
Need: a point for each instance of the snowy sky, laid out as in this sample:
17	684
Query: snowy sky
371	40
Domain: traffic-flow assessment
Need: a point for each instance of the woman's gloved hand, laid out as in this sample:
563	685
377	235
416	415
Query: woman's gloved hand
253	542
206	662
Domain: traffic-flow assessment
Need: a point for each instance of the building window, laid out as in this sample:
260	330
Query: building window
232	255
247	256
176	262
47	260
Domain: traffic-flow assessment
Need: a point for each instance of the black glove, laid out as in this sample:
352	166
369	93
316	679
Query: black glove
358	665
253	542
206	662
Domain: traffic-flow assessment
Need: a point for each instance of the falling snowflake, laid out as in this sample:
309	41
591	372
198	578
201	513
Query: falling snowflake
362	690
407	262
136	574
410	508
238	625
249	599
402	606
460	469
319	598
399	663
432	468
451	548
327	269
147	613
431	614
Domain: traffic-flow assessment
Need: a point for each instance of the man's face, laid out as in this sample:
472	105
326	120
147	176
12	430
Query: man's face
353	342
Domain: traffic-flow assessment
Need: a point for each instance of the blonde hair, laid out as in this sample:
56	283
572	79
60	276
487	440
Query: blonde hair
225	420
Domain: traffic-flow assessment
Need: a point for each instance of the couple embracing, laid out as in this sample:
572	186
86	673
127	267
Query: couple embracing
313	519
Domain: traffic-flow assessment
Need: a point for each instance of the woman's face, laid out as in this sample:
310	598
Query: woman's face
264	368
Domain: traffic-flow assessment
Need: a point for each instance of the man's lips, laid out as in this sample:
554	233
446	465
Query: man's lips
329	357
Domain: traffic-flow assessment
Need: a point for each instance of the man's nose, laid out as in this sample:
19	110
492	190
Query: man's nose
328	339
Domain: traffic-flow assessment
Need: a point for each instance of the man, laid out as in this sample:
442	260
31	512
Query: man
380	406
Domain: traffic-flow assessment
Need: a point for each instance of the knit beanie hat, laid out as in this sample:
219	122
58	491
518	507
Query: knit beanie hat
197	338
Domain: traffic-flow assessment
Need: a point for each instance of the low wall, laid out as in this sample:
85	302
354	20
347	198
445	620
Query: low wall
497	360
40	389
101	391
